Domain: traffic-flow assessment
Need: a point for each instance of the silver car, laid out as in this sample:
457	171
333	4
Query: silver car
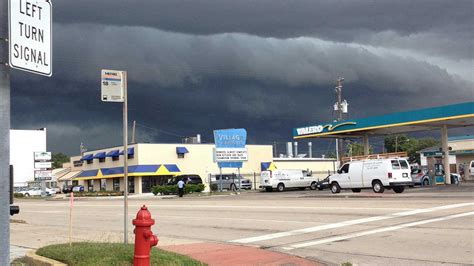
231	182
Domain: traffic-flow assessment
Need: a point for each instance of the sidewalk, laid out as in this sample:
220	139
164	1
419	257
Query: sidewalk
17	252
225	254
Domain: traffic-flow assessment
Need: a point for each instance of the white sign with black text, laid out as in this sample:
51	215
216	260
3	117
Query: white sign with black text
113	84
30	36
43	175
231	154
43	165
42	156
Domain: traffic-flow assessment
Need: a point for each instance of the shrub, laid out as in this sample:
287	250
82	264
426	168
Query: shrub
173	189
214	187
18	195
98	193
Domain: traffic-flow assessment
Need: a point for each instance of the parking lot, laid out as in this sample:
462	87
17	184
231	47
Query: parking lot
420	226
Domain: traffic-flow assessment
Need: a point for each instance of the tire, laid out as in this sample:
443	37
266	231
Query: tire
280	187
377	186
426	182
313	186
356	190
411	185
335	188
268	189
301	188
27	194
398	189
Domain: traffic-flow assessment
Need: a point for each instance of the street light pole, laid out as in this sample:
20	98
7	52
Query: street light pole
125	159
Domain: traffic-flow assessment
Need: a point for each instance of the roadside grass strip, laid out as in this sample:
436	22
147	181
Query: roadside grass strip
376	231
348	223
90	253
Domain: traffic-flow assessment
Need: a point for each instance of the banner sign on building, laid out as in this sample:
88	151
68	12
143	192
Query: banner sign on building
113	84
230	149
30	36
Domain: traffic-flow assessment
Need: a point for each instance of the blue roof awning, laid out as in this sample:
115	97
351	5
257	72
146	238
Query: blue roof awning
114	153
87	157
88	173
181	150
100	155
130	151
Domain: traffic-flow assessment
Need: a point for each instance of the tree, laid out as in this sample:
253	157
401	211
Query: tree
356	149
59	159
401	143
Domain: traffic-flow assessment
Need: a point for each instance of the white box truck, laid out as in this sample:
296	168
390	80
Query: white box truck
287	178
377	174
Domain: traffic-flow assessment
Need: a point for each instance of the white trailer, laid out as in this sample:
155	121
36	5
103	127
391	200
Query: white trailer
287	178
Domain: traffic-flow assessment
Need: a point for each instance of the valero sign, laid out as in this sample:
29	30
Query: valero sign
320	128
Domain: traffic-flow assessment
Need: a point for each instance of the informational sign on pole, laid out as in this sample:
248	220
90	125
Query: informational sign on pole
42	175
42	156
230	151
113	84
31	36
114	89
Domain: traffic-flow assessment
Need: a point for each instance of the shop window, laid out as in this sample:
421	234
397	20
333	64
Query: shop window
102	160
115	158
180	155
90	185
103	184
131	156
90	161
116	184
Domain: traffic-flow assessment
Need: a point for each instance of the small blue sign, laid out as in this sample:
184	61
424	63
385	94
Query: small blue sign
230	138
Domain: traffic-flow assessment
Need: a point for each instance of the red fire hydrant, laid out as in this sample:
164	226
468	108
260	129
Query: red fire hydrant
144	237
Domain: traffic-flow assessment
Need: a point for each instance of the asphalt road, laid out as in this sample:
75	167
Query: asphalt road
419	227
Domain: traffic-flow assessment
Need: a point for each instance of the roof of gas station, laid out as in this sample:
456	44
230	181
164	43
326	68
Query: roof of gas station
455	115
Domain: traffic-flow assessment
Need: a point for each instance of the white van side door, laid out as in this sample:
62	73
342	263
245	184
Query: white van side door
343	176
355	175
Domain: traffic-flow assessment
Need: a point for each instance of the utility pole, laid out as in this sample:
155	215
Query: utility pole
133	131
125	158
339	144
4	138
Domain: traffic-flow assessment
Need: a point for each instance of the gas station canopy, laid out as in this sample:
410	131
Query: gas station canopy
451	116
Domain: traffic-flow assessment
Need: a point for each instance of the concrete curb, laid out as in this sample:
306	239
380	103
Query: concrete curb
41	261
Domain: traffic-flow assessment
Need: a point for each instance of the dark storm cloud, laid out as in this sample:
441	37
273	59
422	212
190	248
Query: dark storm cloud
433	26
190	72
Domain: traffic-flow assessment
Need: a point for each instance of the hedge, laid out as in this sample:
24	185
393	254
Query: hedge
98	193
173	189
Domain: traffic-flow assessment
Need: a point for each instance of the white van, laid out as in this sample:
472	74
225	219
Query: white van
377	174
281	179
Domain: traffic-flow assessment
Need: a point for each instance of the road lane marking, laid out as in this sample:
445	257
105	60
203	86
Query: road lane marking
376	231
347	223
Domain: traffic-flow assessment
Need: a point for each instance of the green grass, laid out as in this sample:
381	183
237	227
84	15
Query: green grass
89	253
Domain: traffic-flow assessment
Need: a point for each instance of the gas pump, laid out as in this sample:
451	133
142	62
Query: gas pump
439	174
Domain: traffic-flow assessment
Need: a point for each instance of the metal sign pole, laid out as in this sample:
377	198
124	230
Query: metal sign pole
4	138
238	173
220	179
125	160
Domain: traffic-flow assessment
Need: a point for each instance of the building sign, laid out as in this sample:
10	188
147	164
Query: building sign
42	156
43	175
113	84
320	128
230	149
30	36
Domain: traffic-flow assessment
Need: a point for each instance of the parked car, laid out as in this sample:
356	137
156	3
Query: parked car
188	179
50	191
67	189
420	177
231	182
323	184
287	178
35	191
377	174
78	189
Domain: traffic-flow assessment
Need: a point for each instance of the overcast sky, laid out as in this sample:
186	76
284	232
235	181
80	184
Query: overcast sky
265	65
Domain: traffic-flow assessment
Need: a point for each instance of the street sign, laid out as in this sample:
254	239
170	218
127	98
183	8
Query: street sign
43	165
42	156
31	35
230	149
113	84
43	175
